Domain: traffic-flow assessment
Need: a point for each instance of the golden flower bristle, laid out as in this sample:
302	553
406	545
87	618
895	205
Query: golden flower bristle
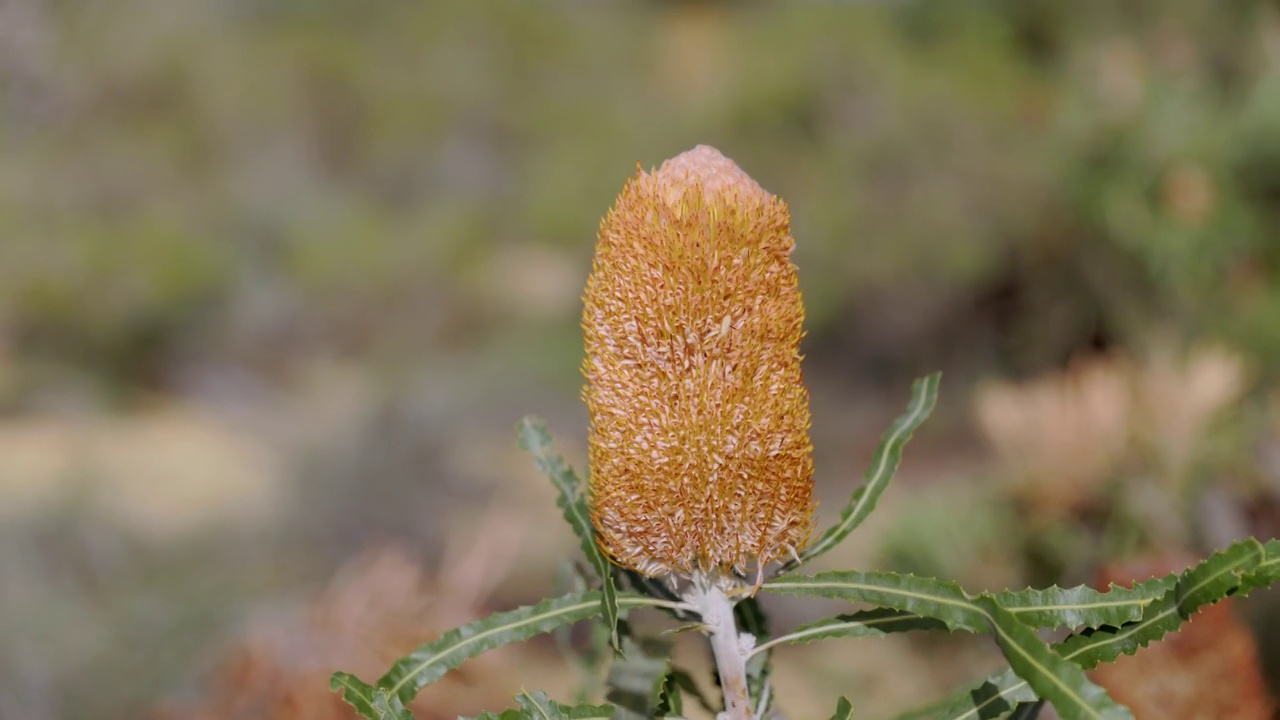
699	445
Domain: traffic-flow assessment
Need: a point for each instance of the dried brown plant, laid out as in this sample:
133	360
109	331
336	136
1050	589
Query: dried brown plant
1179	396
1062	437
378	607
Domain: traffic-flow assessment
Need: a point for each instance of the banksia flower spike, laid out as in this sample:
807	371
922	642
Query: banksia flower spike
700	457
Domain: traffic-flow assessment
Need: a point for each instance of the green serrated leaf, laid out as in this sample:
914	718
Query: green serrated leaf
1080	606
431	661
867	623
1224	573
1057	680
1248	564
844	709
994	698
534	438
587	712
670	701
587	657
1206	584
512	714
1053	678
1052	607
942	600
1027	711
884	463
537	706
636	679
1272	550
371	702
684	681
1268	571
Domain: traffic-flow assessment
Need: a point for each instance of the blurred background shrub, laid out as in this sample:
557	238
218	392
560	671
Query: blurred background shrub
278	276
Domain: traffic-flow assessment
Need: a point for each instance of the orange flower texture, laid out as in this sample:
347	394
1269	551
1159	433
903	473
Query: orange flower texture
699	444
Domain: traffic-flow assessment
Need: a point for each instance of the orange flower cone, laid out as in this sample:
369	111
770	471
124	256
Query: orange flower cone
699	444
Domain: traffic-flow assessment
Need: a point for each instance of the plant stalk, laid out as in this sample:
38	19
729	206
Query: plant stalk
727	648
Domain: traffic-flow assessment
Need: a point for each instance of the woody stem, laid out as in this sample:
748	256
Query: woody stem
731	662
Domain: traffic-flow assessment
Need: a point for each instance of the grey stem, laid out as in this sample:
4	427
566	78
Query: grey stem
726	646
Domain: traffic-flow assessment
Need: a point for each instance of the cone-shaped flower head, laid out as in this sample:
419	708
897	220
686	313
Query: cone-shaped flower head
699	445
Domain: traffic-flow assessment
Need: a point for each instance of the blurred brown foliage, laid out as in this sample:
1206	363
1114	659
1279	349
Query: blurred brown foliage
1069	440
1059	436
378	608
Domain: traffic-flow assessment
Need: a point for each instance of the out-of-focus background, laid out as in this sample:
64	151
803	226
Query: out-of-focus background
278	277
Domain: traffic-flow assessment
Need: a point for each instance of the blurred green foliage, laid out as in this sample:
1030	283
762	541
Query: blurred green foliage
990	184
188	178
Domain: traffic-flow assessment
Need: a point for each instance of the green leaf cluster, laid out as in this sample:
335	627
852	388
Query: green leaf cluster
642	682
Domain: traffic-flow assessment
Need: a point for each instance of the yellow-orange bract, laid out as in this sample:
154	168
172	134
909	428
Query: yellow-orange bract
699	445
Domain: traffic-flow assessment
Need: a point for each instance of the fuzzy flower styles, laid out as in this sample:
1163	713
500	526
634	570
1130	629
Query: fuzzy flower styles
699	444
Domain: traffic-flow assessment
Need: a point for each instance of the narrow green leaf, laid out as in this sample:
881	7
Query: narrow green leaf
1268	571
1080	606
588	657
537	706
1272	550
431	661
670	701
844	709
994	698
1027	711
684	681
356	692
511	714
1053	678
1052	607
884	463
588	712
1247	564
867	623
944	601
372	703
1059	681
1222	574
535	439
1206	584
